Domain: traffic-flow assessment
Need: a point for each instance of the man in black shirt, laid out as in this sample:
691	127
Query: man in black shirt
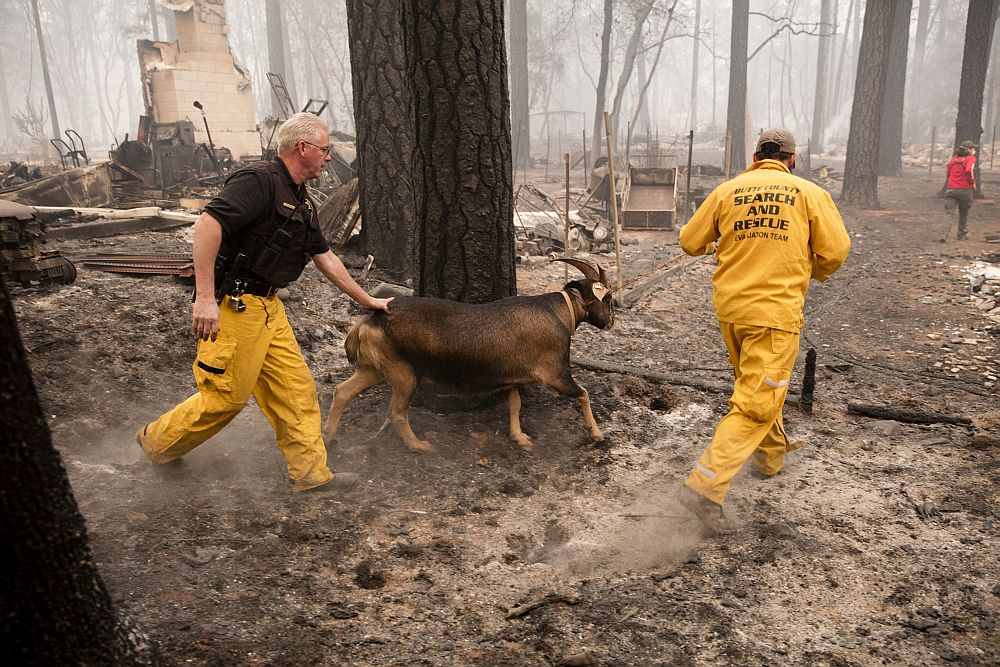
253	238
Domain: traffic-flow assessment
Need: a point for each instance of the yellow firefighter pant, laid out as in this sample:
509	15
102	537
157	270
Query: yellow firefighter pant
762	360
255	353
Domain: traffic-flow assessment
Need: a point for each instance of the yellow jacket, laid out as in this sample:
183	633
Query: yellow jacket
773	232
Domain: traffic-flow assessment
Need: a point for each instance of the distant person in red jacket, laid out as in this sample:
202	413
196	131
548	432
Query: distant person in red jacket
961	183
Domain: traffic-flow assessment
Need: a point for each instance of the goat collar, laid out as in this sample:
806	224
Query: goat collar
572	311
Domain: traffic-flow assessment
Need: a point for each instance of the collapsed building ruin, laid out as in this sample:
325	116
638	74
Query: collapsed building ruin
199	67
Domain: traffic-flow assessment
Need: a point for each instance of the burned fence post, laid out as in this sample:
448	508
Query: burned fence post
808	383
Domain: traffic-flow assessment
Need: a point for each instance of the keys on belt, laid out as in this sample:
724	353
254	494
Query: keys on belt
236	296
242	286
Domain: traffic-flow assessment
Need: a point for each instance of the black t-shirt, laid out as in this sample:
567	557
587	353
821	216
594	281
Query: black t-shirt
253	203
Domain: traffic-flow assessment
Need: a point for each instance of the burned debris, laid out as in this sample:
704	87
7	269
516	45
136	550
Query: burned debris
21	258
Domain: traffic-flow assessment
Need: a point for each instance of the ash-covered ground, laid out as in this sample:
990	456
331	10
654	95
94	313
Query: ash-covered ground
876	545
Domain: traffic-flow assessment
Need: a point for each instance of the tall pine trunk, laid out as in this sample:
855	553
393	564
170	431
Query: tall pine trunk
861	165
520	113
53	116
736	111
890	152
693	121
461	173
596	140
277	49
8	123
915	89
822	76
975	63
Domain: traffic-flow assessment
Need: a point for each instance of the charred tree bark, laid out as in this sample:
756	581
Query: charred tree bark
383	118
520	116
53	116
54	609
861	165
461	172
822	76
975	63
906	415
736	110
890	152
602	83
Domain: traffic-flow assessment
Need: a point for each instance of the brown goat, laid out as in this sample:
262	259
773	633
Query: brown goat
493	346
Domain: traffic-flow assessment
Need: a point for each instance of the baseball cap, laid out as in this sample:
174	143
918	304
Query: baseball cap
777	135
967	144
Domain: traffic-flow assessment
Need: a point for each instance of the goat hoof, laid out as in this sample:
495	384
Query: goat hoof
596	435
420	446
523	442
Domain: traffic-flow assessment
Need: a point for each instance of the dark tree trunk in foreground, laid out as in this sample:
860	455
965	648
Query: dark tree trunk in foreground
520	118
596	140
54	609
462	161
861	166
736	111
975	63
890	162
383	118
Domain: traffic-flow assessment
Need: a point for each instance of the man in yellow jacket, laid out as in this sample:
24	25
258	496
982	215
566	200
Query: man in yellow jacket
771	232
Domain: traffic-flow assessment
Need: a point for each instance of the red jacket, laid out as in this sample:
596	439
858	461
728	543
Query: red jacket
960	172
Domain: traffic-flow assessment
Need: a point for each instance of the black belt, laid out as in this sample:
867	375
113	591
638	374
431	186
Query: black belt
260	288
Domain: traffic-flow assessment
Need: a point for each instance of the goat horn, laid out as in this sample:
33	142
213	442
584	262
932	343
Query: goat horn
604	276
586	269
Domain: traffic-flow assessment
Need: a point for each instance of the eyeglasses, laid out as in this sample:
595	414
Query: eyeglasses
324	149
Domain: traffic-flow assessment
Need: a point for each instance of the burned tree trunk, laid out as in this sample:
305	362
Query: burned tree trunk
277	47
8	123
693	122
992	103
628	63
461	172
861	165
602	82
736	110
822	76
520	118
153	20
54	609
890	152
383	118
975	63
915	118
53	116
